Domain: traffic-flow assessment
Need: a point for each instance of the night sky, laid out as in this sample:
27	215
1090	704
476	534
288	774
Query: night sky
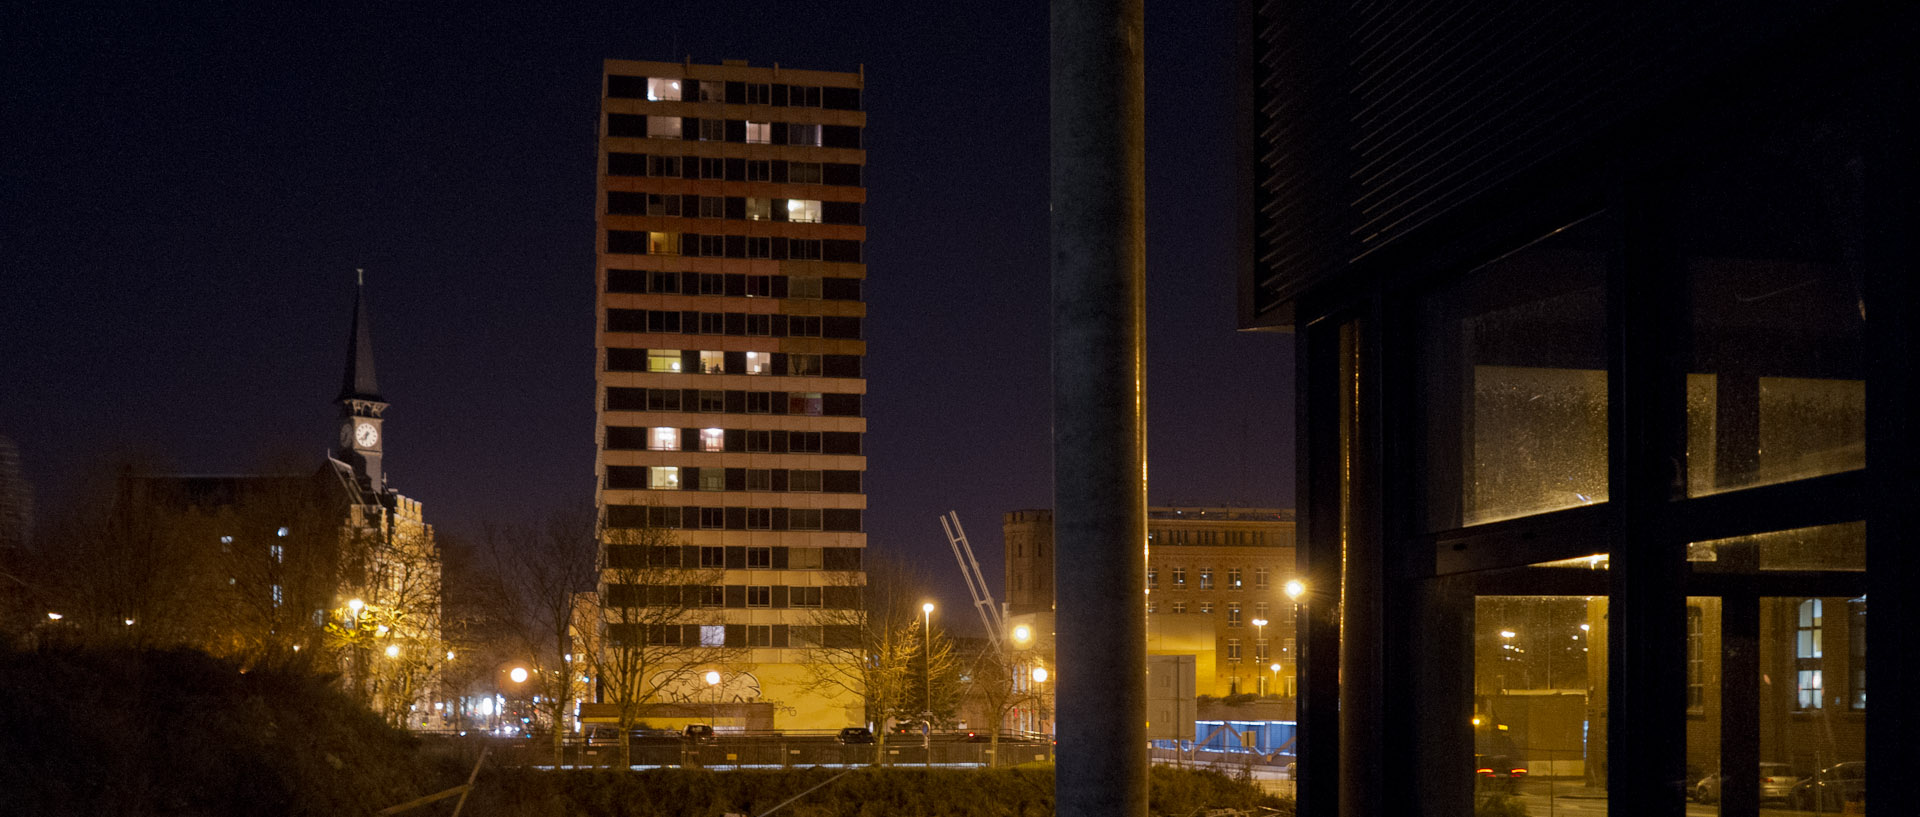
185	194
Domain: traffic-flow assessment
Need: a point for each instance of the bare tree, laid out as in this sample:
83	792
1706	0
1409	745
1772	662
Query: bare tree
866	641
538	572
996	681
659	625
389	625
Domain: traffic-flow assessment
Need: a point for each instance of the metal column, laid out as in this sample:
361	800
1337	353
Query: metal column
1099	408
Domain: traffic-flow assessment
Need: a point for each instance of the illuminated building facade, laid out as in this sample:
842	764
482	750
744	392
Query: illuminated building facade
729	307
1212	571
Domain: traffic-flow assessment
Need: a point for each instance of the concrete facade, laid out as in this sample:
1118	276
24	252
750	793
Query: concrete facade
729	386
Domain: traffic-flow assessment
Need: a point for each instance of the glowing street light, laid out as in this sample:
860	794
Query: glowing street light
926	665
393	650
518	674
55	616
1022	635
355	605
713	680
1295	589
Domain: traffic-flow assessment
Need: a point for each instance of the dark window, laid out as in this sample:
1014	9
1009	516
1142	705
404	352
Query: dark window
840	212
625	87
839	442
626	280
840	136
713	400
626	164
804	249
840	289
842	175
841	405
759	596
845	520
665	167
626	360
624	399
759	557
840	99
663	399
626	438
713	518
713	557
620	203
840	250
840	559
629	242
840	482
803	326
759	519
844	328
759	170
626	125
840	366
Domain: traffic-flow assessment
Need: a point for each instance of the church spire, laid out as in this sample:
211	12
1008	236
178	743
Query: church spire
359	382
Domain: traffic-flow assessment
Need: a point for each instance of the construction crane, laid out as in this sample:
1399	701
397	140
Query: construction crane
976	583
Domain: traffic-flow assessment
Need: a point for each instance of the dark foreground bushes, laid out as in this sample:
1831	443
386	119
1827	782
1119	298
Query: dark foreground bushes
92	732
1015	792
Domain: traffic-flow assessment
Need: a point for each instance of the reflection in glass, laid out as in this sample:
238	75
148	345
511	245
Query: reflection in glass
1812	672
1771	241
1539	697
1841	547
1514	383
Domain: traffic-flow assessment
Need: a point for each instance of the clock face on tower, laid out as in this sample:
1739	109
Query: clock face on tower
366	435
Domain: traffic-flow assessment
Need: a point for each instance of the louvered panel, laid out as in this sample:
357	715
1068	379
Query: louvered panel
1376	117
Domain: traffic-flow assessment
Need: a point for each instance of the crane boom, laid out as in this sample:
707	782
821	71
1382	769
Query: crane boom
976	583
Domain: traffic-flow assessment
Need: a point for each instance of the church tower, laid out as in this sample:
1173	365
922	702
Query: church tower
362	437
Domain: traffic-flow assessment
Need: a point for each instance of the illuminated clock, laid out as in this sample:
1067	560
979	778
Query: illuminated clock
366	435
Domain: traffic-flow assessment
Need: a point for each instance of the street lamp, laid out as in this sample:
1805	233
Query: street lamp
1260	641
713	680
1039	678
1275	669
926	666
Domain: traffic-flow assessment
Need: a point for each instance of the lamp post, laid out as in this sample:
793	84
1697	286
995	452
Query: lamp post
1260	645
1039	693
713	680
926	666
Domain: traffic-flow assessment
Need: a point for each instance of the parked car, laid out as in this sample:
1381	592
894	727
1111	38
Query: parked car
1776	783
699	733
856	735
653	737
1497	773
1830	788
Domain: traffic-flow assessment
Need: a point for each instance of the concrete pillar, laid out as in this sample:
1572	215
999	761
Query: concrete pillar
1099	408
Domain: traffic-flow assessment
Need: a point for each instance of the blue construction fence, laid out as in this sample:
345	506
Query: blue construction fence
1252	737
